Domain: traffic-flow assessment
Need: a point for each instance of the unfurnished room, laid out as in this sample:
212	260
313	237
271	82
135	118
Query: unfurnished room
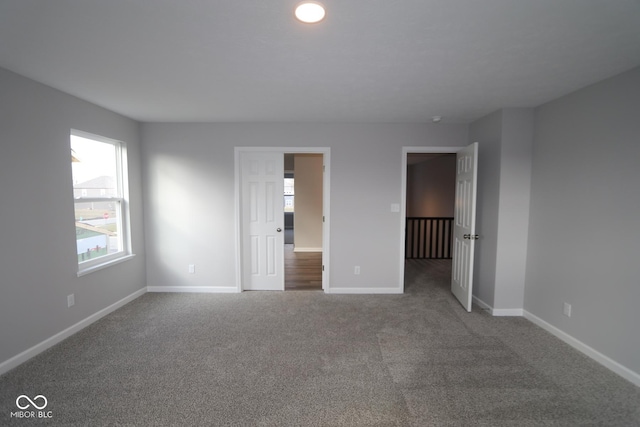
319	213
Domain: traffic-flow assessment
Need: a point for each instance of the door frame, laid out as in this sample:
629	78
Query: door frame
326	181
403	195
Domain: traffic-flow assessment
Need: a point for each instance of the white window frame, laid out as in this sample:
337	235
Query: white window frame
121	202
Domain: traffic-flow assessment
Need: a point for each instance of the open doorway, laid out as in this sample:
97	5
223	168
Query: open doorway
415	206
429	215
260	257
463	233
303	219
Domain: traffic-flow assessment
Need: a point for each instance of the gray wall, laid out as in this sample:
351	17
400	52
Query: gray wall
189	177
513	220
38	261
504	180
431	187
488	133
584	234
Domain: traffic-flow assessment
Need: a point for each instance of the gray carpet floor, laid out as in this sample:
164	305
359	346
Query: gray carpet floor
303	358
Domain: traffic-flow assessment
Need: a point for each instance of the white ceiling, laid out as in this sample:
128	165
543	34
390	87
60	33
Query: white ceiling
368	61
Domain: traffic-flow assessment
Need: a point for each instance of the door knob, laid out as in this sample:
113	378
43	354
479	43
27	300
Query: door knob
471	236
278	229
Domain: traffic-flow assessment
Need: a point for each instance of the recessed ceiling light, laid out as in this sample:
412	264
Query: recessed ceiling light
436	119
310	12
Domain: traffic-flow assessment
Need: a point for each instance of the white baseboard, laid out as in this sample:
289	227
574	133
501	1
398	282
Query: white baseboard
518	312
364	291
194	289
483	305
605	361
299	249
498	311
60	336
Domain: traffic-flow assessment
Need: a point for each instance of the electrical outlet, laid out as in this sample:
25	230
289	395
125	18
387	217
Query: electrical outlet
192	268
71	300
356	270
567	310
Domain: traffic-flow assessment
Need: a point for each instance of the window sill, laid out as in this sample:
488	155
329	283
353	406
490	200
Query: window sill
106	264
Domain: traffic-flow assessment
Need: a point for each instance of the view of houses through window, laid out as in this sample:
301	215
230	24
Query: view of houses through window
98	197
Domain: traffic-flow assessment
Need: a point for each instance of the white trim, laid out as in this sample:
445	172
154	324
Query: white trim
237	217
605	361
334	290
403	196
514	312
326	216
326	197
483	305
297	249
60	336
195	289
106	264
517	312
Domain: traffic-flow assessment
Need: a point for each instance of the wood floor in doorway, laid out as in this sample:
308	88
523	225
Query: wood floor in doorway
302	270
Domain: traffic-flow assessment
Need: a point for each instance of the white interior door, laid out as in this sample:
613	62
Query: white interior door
464	228
262	199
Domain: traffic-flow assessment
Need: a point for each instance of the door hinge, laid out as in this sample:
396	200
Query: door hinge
323	268
322	218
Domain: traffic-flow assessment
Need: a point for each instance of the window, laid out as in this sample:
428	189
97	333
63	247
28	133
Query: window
289	193
100	200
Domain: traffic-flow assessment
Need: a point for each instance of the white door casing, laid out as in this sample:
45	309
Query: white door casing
464	228
262	220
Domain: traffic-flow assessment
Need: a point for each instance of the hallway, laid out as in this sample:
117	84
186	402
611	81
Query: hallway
302	270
